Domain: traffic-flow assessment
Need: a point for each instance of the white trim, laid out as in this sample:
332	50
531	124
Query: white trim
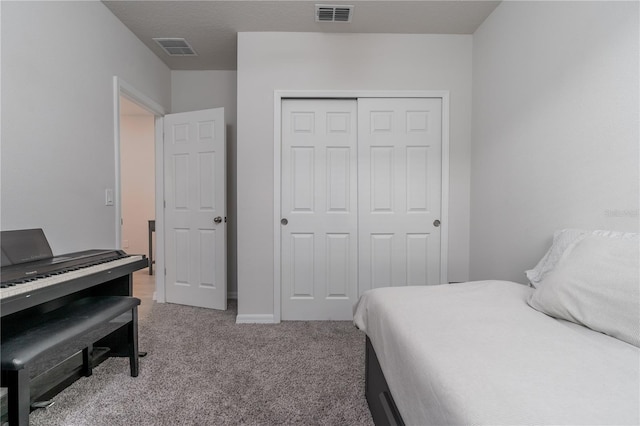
277	168
159	257
134	95
278	95
116	147
255	319
444	207
352	94
122	88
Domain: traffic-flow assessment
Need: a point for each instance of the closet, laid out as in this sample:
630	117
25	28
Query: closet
361	189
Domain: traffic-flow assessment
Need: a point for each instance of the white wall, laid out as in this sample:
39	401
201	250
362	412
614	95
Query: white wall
194	90
58	63
313	61
137	153
555	128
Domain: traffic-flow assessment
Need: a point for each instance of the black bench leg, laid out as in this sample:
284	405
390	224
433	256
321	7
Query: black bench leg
132	340
87	364
19	396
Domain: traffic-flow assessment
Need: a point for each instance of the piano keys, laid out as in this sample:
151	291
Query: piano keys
31	275
21	288
33	280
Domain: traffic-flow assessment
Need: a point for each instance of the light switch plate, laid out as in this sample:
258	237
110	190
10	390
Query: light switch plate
108	197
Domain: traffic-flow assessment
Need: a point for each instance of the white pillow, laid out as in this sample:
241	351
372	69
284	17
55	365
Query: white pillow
561	240
596	283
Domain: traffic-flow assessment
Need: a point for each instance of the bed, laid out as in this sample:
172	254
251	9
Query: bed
564	350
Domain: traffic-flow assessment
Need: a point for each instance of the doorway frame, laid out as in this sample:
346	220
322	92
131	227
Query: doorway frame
122	88
278	96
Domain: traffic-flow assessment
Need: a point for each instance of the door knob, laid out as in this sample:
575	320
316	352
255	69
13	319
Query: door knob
217	220
436	223
284	221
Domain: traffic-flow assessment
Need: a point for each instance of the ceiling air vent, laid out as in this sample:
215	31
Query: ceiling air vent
331	13
176	46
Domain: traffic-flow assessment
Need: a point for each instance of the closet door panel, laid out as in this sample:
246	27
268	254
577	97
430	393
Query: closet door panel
319	209
399	191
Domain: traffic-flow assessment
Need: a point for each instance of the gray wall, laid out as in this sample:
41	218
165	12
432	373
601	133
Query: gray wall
313	61
555	129
58	63
194	90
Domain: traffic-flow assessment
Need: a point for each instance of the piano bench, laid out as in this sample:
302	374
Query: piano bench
42	342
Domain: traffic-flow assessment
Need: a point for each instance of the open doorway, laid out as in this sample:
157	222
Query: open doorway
137	136
137	192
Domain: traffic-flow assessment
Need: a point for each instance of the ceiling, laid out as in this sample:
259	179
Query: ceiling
211	26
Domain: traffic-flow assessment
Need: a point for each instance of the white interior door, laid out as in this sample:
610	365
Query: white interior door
195	211
319	212
399	191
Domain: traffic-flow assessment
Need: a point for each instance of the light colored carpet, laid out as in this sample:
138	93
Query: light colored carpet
203	369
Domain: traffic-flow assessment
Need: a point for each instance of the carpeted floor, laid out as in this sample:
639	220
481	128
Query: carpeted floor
203	369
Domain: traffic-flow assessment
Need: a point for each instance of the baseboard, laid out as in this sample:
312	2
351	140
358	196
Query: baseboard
255	319
230	294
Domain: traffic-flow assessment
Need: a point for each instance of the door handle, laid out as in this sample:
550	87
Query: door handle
436	223
217	220
284	221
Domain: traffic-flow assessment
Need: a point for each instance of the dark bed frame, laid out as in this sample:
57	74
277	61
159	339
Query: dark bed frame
383	408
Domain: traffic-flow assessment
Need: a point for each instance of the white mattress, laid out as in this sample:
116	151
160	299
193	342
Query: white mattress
476	353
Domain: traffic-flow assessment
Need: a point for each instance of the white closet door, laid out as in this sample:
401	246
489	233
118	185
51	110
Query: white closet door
319	214
399	191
